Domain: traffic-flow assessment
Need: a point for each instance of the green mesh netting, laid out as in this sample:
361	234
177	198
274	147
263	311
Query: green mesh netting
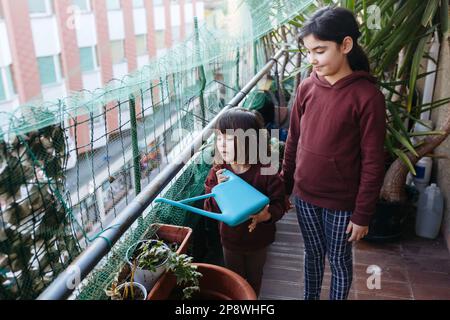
188	184
68	167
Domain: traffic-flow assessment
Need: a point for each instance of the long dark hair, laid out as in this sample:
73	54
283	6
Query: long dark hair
334	24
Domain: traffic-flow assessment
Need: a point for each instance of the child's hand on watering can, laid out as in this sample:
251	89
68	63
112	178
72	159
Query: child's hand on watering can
220	177
288	203
262	216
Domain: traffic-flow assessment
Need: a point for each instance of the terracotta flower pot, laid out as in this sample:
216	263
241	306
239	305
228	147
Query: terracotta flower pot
217	283
175	234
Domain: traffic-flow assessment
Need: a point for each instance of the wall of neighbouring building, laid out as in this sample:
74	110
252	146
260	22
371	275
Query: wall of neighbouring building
441	166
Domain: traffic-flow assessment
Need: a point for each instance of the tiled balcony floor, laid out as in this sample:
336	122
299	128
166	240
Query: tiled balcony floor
412	268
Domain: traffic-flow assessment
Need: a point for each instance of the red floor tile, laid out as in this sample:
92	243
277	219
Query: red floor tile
435	279
426	292
388	289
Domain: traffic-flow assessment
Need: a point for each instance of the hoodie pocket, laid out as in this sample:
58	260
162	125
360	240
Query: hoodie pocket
318	174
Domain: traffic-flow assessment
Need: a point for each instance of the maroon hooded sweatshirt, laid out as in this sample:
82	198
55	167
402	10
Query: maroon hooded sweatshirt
334	154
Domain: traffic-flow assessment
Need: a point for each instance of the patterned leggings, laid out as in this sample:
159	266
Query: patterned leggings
323	233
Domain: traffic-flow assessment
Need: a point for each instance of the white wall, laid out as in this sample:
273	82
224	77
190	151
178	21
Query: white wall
142	60
5	51
140	21
188	13
120	70
45	36
54	92
86	30
175	15
200	10
115	25
161	52
10	105
92	80
99	136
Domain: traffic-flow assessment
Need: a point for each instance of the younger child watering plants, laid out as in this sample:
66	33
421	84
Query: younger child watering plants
334	157
245	245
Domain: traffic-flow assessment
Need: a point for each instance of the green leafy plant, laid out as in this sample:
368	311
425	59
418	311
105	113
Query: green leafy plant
185	272
152	253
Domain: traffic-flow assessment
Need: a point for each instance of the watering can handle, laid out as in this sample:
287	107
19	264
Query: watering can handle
182	205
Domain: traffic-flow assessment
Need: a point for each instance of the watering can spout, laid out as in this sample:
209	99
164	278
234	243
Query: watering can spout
182	204
236	199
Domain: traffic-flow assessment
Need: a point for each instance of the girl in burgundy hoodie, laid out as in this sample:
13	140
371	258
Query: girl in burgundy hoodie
333	162
245	245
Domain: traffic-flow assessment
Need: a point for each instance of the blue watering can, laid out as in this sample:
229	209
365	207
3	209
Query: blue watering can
237	200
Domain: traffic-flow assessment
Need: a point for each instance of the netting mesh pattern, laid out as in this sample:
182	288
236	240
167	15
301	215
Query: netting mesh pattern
188	184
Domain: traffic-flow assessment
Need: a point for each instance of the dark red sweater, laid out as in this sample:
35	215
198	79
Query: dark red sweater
238	238
334	156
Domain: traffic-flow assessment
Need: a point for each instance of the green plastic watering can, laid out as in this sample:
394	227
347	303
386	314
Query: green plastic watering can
237	200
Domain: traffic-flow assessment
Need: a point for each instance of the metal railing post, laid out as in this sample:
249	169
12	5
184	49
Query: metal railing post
135	146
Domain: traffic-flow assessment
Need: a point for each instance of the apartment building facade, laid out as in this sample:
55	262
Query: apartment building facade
52	48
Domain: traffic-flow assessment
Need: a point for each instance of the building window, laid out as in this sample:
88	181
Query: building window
88	59
83	5
138	3
159	39
158	2
141	45
117	51
49	70
113	4
39	7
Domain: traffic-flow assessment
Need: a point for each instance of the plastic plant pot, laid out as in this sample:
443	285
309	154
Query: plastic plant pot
137	286
146	277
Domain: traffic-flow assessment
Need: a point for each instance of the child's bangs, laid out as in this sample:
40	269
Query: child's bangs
237	119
